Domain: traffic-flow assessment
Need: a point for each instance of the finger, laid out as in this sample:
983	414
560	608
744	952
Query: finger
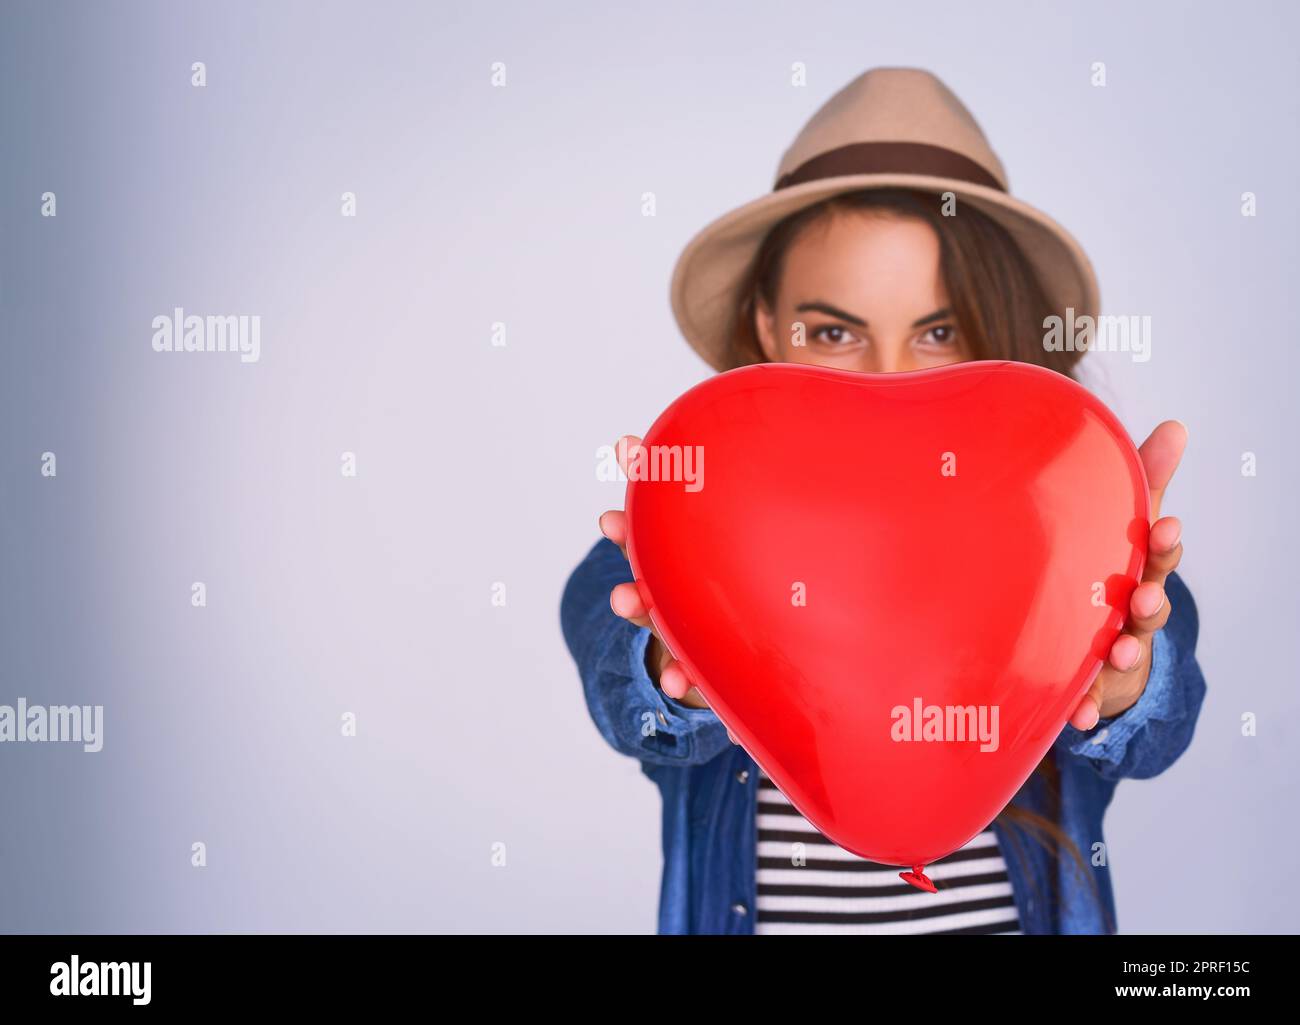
1123	677
1164	549
673	680
626	449
1161	453
625	600
613	524
732	737
1089	708
1148	610
1117	678
1126	656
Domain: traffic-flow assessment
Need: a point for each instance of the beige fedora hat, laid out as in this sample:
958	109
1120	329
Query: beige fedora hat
889	127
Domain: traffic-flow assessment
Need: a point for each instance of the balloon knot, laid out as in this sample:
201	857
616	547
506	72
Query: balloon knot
918	878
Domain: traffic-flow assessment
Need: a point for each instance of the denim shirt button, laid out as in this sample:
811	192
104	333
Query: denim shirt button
742	776
663	721
739	908
1105	732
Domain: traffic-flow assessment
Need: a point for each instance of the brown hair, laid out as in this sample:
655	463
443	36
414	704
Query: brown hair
1000	306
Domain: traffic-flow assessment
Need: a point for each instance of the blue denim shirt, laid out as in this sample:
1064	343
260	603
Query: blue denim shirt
709	786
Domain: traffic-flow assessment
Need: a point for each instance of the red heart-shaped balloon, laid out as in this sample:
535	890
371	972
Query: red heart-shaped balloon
894	589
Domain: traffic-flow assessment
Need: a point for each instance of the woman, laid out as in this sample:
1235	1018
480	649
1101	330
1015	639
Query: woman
889	244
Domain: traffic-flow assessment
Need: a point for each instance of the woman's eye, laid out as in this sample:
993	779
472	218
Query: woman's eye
834	334
942	334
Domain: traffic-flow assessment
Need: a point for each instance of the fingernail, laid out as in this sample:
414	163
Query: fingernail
1156	608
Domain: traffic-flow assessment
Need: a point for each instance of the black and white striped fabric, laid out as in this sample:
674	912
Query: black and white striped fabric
834	891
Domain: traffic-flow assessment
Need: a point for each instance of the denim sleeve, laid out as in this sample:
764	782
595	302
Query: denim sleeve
1148	736
633	715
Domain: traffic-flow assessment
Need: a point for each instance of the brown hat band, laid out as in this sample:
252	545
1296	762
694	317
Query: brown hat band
889	158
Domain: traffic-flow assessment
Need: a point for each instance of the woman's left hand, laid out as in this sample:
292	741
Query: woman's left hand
1123	677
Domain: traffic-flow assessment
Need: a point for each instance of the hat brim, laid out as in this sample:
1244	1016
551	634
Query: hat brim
714	263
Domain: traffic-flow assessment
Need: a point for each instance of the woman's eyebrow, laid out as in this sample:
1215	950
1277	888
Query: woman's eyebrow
932	317
821	307
817	306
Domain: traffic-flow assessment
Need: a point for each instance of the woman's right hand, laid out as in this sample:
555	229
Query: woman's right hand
625	600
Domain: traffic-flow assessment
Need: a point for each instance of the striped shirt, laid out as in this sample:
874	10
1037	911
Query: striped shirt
837	892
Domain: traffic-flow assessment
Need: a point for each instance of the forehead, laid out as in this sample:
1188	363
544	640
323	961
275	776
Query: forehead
868	257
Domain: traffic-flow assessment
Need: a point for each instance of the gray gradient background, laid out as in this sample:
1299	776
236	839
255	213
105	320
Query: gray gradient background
477	464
